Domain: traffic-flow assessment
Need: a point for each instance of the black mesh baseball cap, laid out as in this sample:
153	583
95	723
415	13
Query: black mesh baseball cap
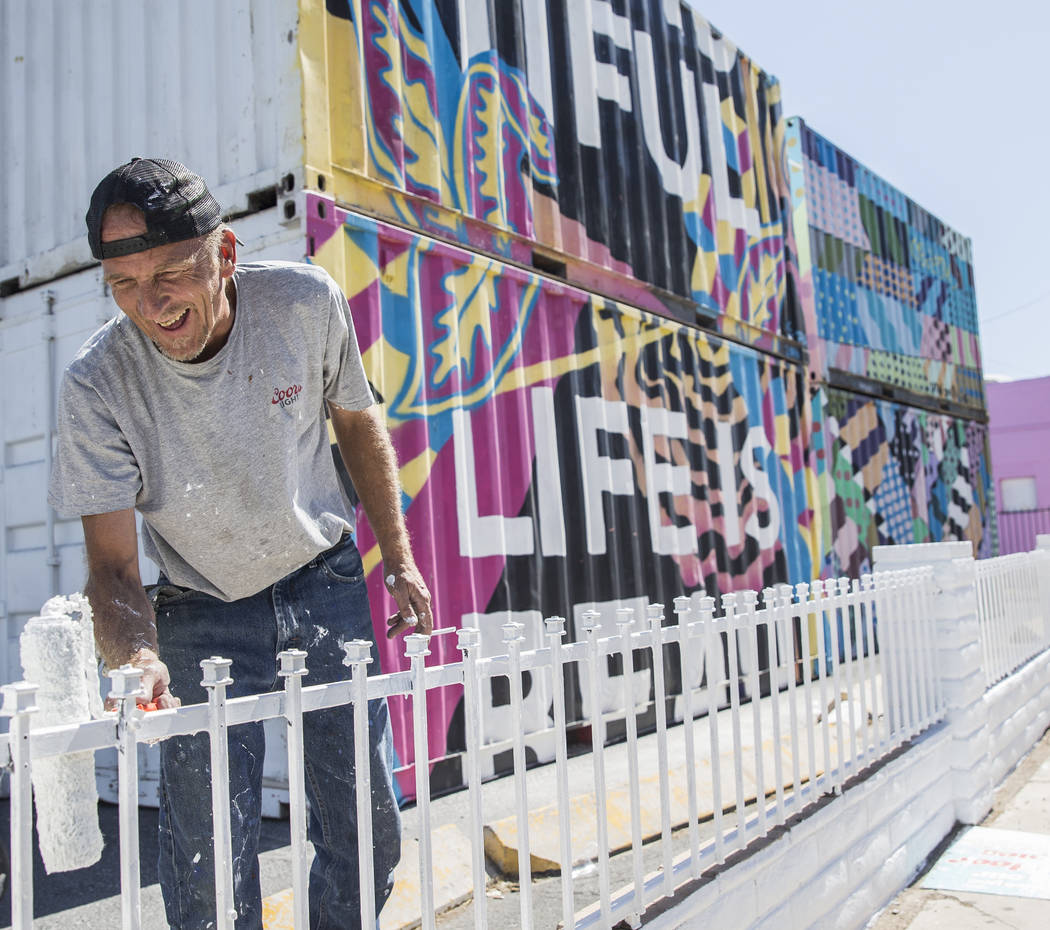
176	203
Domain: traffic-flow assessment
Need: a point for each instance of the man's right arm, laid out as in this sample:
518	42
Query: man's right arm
125	625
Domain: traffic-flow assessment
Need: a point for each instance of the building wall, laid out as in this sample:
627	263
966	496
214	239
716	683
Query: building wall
86	86
1019	426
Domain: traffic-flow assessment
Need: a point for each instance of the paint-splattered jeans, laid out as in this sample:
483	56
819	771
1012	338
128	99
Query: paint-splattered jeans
316	608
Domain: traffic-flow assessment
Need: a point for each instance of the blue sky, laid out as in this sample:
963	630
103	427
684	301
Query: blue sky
946	101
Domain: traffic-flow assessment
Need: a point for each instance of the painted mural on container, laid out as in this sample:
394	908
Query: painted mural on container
887	289
897	475
561	452
625	144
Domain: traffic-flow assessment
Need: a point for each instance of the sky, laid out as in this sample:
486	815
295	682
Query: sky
947	102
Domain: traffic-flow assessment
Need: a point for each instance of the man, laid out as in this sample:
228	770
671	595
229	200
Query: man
202	406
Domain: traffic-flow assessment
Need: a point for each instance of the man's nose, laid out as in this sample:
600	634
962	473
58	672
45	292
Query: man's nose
152	301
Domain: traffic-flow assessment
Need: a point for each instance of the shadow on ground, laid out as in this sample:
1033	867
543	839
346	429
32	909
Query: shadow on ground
63	890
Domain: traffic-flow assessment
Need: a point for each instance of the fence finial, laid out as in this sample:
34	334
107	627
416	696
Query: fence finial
292	662
19	698
216	672
468	637
358	651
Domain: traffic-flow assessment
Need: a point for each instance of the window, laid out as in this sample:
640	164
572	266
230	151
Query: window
1018	493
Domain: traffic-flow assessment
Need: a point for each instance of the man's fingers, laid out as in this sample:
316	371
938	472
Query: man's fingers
413	602
421	622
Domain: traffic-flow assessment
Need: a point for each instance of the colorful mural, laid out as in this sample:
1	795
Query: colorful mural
886	289
899	475
562	452
580	438
629	146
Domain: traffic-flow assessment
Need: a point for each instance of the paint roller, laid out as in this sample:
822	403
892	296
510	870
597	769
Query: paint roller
58	655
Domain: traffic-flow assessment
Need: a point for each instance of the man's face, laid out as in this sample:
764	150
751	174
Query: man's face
175	294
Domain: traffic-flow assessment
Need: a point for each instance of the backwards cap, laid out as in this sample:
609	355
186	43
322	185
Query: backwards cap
175	202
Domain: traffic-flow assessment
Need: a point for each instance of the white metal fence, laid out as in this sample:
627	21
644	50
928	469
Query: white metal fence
839	674
1013	606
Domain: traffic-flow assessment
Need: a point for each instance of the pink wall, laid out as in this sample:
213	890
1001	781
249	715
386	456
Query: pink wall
1019	428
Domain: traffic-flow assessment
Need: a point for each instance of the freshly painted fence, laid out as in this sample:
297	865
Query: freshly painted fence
631	147
896	744
1014	596
867	704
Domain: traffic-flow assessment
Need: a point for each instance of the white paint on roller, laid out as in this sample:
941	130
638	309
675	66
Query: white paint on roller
58	655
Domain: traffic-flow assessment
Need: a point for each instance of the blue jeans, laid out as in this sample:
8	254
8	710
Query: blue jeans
316	608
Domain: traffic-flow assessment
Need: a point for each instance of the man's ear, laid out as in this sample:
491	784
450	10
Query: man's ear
228	253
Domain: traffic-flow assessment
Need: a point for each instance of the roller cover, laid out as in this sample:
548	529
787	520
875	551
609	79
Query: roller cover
58	655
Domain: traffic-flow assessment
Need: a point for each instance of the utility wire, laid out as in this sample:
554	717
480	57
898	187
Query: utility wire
1024	306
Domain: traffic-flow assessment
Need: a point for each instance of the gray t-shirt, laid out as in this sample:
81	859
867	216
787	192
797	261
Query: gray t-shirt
228	460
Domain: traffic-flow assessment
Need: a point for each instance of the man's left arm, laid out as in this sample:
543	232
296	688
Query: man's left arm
369	456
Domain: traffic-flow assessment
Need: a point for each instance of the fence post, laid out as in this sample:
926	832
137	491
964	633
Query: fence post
1041	558
959	663
19	704
292	669
216	680
469	645
127	686
416	650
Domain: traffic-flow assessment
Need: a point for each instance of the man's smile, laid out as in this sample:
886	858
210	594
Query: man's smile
174	323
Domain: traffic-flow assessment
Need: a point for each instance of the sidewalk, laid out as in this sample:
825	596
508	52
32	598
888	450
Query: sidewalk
971	875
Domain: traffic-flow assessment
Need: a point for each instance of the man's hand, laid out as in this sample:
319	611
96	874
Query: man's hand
415	613
154	683
155	680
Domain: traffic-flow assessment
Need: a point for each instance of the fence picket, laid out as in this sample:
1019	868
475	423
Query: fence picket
292	669
216	680
126	688
655	617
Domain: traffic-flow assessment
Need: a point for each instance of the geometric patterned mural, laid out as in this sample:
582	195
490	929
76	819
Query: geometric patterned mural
901	475
886	289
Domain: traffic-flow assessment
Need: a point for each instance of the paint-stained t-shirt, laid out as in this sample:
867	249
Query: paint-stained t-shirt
227	460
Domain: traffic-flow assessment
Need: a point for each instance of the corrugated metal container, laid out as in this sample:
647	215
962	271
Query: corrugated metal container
629	147
562	452
887	289
898	474
85	86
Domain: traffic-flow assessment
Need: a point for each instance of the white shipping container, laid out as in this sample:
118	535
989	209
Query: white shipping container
86	86
42	555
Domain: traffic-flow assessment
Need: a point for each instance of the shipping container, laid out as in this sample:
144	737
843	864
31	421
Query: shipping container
629	147
560	451
897	475
86	86
887	289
